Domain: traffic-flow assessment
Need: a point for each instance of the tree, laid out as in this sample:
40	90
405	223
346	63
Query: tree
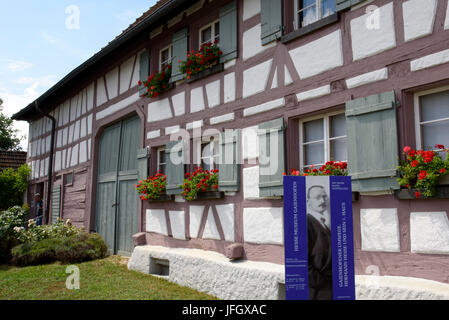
9	141
13	184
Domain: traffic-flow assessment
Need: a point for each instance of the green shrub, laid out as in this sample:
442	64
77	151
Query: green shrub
12	221
59	229
68	249
13	184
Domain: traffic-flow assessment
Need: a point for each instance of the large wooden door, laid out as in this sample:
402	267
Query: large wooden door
117	202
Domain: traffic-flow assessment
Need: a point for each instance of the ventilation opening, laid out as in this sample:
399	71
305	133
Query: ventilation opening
281	291
159	267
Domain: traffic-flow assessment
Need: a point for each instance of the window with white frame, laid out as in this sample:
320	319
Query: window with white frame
210	33
322	139
165	56
432	118
209	154
161	160
309	11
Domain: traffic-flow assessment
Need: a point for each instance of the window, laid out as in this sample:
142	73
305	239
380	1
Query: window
68	179
165	56
309	11
323	139
210	33
209	155
432	118
161	160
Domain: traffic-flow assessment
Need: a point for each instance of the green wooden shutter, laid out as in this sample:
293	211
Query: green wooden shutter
144	70
142	163
271	18
228	31
174	151
55	203
180	47
271	158
229	167
344	4
372	142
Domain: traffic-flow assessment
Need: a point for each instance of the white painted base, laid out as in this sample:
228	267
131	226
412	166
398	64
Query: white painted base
249	280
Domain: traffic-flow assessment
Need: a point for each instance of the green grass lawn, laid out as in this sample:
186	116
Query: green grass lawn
107	279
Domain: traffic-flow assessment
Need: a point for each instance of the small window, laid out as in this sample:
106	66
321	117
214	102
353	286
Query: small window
432	118
161	160
165	56
310	11
68	179
210	33
323	139
209	155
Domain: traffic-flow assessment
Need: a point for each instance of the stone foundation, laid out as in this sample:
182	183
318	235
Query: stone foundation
213	273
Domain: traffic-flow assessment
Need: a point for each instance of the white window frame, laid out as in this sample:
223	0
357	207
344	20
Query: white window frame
418	122
212	26
170	54
326	137
159	160
297	10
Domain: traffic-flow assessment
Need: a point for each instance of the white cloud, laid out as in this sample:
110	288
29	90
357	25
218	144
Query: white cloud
17	65
44	81
13	103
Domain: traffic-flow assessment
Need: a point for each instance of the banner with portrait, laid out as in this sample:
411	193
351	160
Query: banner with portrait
318	238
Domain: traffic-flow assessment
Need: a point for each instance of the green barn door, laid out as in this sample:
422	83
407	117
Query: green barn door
117	202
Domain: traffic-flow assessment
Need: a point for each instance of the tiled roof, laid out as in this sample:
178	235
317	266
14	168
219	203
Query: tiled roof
12	159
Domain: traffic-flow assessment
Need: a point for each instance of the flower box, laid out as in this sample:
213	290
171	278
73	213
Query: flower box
209	195
207	72
442	192
162	198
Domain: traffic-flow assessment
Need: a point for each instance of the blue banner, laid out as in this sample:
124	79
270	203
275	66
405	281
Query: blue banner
318	238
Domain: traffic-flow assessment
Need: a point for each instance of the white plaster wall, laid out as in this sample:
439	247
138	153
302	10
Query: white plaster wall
196	100
270	105
446	21
229	87
429	232
263	225
159	110
419	17
73	105
179	103
366	78
155	222
178	224
101	92
213	93
195	215
172	129
221	119
368	37
226	214
250	143
210	230
318	56
74	159
83	132
118	106
136	72
126	70
90	97
255	78
76	134
83	151
58	160
250	8
66	112
153	134
314	93
288	78
380	230
430	60
252	44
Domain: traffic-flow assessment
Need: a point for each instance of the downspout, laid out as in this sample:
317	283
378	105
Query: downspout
50	161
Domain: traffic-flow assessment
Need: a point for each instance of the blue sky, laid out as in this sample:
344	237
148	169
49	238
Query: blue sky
42	41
